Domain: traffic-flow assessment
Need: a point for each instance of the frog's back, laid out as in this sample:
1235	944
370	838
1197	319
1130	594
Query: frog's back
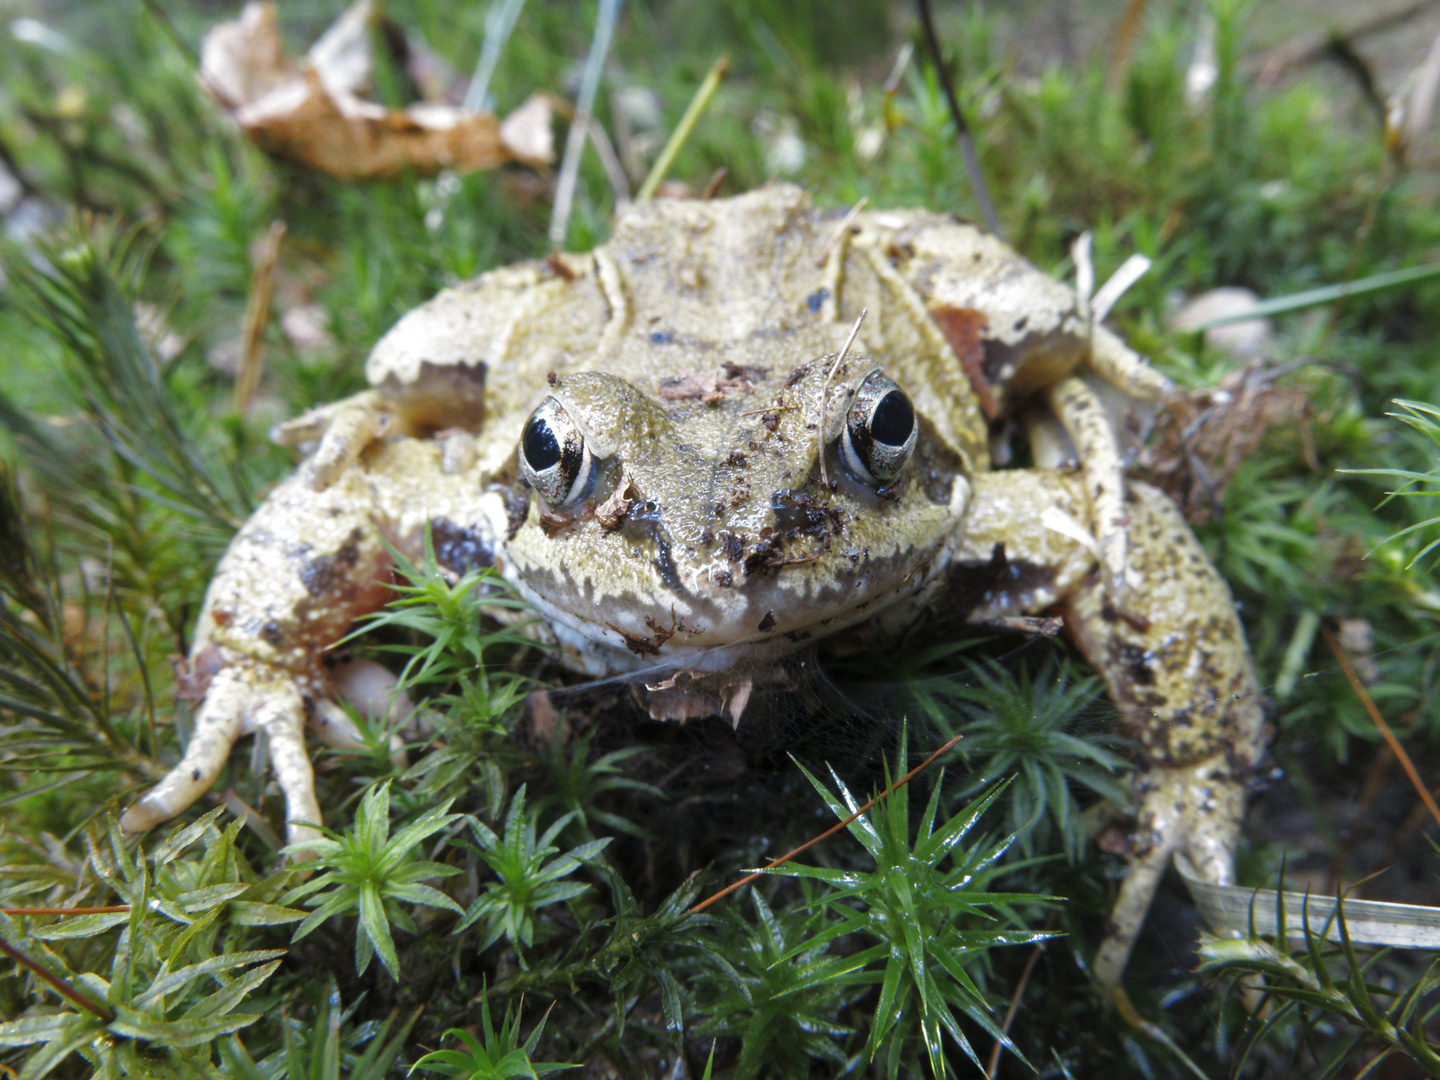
762	281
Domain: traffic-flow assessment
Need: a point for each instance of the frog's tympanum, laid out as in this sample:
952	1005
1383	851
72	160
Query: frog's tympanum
662	447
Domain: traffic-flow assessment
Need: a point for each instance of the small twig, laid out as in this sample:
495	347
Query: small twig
897	70
253	819
783	859
708	86
106	909
825	400
1115	287
1151	1031
1043	625
60	986
499	23
893	119
1080	254
1379	722
257	316
1313	45
1120	51
609	161
712	186
967	143
845	223
992	1068
771	409
1421	105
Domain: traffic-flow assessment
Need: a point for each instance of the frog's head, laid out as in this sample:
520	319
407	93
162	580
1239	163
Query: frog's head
691	524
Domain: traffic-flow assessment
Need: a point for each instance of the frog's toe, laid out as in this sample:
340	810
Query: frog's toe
1125	369
1193	809
281	715
333	726
343	430
1085	420
242	697
217	727
1142	877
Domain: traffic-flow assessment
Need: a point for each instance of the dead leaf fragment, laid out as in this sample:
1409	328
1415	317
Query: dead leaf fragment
708	386
315	112
1203	436
613	510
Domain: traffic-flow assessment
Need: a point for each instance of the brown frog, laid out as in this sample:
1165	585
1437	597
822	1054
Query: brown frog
666	448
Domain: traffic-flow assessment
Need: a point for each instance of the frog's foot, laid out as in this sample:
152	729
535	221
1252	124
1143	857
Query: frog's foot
1125	369
1194	810
294	579
343	428
244	697
247	696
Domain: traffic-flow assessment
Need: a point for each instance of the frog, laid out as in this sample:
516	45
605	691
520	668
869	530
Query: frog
741	428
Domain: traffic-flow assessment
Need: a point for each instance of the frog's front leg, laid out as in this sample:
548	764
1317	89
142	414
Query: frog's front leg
341	431
289	586
1174	659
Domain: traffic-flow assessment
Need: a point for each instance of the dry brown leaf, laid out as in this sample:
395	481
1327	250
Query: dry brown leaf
613	510
314	112
1203	436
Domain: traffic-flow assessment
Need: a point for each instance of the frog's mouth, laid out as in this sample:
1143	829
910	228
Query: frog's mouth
635	568
662	607
709	634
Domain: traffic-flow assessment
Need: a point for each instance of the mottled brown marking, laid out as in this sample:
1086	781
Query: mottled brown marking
325	574
963	329
795	376
517	507
731	545
710	386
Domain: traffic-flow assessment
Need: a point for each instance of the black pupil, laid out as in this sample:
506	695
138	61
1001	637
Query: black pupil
541	448
891	422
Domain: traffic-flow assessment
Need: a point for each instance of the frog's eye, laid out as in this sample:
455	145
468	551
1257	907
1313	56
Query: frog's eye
554	457
879	431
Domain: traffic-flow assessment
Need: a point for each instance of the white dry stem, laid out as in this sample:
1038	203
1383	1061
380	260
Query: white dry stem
605	21
825	399
499	23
